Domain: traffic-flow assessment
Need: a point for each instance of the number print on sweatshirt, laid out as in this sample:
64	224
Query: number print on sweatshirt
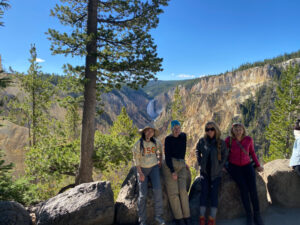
149	151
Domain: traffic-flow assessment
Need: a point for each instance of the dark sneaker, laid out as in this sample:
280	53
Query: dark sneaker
249	221
180	222
188	221
159	220
257	219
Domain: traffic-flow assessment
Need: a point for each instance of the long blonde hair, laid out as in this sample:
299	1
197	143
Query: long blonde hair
217	135
238	125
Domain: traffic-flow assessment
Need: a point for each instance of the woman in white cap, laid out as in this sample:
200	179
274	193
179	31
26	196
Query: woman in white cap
147	154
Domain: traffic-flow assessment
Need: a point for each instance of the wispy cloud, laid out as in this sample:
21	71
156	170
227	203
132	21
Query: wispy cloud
186	76
39	60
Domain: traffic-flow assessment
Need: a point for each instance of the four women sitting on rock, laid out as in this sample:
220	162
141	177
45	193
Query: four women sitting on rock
212	153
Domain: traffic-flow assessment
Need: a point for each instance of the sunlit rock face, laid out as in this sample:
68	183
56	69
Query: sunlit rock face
215	98
13	139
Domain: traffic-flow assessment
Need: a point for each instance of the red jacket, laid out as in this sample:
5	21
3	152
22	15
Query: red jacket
237	156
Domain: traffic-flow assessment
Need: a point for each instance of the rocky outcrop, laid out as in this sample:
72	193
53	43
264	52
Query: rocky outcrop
13	139
88	204
230	204
13	213
126	204
283	183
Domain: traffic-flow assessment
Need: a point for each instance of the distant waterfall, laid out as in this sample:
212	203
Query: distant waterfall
151	109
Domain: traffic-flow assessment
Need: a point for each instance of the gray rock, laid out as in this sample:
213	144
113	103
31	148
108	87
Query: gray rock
13	213
86	204
126	204
230	204
283	183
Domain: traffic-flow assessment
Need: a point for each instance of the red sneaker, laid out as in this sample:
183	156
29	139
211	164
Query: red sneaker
201	220
211	221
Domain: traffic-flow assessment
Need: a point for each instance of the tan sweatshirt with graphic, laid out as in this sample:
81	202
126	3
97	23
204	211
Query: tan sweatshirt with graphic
151	151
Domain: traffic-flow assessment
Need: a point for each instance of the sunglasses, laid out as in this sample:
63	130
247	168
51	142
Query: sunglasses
209	129
236	124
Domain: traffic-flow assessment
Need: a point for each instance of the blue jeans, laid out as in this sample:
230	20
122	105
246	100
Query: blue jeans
245	178
209	189
153	174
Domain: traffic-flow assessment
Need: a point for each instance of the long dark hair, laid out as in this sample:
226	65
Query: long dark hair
297	125
142	139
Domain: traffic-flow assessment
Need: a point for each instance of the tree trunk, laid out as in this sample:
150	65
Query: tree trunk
34	123
89	108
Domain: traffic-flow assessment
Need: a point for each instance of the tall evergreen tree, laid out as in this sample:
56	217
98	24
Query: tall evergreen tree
287	108
71	89
177	107
113	36
3	6
123	125
32	110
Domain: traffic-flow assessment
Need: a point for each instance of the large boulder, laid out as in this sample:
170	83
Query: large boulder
283	183
126	204
13	213
88	204
230	204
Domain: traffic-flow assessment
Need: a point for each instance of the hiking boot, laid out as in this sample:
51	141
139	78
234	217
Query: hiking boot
202	220
211	221
257	219
159	220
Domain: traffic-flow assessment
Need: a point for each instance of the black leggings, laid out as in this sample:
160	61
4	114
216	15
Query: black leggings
245	178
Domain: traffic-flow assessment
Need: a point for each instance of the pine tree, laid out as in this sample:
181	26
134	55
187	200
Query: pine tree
123	125
113	36
71	89
32	110
287	107
3	6
177	107
115	148
5	178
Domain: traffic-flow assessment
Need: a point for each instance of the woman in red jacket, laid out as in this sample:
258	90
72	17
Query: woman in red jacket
241	169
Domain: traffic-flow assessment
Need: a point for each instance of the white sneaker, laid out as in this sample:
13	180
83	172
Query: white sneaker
160	220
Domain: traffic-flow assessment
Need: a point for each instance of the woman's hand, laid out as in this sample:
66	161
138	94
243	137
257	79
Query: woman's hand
174	176
159	163
260	169
141	176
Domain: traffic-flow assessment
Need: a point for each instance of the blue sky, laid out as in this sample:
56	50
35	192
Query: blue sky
194	37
